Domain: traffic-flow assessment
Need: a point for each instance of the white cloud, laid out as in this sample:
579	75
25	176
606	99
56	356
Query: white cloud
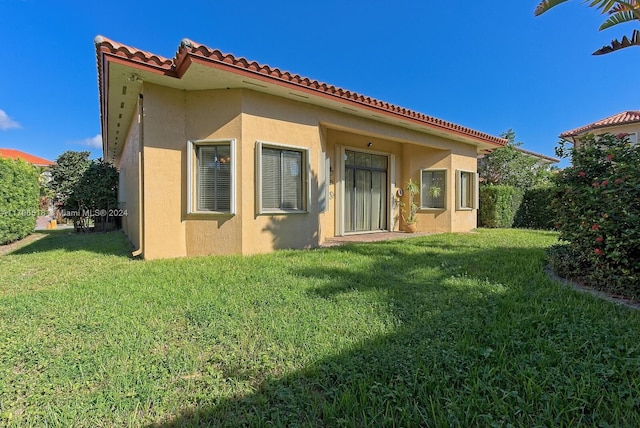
6	122
93	142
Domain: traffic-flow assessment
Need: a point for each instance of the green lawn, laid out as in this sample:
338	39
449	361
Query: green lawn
443	330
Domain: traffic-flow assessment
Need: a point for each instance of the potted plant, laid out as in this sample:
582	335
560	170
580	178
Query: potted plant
435	191
410	219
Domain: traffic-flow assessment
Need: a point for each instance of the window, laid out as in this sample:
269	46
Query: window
467	185
433	189
211	176
282	178
631	136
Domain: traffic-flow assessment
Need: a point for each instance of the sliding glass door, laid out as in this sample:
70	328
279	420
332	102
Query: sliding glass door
365	192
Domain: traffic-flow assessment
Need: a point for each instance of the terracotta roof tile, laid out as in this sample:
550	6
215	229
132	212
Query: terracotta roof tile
17	154
189	48
623	118
133	54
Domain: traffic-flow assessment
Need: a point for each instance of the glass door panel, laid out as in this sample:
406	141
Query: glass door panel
365	200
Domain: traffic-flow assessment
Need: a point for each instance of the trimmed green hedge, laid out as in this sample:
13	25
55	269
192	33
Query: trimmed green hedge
19	193
535	211
498	206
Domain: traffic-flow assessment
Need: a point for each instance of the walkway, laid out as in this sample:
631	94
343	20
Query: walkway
370	237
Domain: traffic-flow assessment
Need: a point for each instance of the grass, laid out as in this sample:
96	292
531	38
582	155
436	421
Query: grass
444	330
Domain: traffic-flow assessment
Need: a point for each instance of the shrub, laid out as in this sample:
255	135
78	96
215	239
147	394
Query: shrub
597	207
498	205
97	190
84	189
19	192
535	211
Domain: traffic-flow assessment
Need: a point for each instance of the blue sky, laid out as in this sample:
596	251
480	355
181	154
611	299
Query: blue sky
490	66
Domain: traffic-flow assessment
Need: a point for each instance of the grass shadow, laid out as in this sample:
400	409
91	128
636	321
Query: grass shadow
475	343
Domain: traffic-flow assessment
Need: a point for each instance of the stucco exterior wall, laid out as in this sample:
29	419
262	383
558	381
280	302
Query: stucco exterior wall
463	220
164	140
214	115
274	120
415	159
172	118
129	182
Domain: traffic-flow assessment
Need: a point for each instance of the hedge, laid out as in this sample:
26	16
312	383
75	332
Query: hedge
498	205
19	193
535	211
597	207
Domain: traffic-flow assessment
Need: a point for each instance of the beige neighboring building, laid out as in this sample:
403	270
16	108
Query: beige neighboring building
627	122
221	155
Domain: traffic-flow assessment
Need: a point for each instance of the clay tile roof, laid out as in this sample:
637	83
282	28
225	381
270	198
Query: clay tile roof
623	118
133	54
188	48
17	154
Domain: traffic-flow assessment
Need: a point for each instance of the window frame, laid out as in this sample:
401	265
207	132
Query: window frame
423	206
633	134
306	181
474	190
192	147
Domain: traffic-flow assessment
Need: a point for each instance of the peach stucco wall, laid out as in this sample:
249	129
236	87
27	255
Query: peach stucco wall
129	186
173	117
214	115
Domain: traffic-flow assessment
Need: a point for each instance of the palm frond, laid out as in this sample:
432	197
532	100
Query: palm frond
617	45
632	6
545	5
618	18
603	5
623	6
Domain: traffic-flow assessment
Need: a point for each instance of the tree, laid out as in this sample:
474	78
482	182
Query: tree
96	191
65	175
84	189
511	167
619	12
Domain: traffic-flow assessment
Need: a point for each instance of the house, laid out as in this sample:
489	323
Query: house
33	160
627	122
541	158
541	161
221	155
41	163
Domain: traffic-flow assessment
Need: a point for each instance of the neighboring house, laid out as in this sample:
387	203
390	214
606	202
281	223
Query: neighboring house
220	155
34	160
42	163
542	159
627	122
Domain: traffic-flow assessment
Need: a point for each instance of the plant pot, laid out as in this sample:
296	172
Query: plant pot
410	227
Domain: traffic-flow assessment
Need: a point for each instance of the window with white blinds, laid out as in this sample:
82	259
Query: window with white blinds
211	176
282	175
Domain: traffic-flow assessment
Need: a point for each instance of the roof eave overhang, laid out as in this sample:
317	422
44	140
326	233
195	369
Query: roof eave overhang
403	115
591	129
137	66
